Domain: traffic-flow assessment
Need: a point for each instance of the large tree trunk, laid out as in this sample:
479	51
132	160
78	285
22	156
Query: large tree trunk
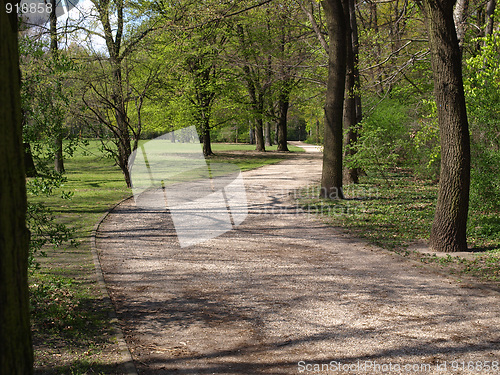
331	178
450	221
16	353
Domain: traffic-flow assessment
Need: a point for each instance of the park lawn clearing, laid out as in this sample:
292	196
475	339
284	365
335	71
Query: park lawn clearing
70	322
398	216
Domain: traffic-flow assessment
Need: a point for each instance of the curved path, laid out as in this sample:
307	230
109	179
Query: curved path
284	288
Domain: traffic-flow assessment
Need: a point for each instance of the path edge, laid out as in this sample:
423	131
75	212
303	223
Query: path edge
124	350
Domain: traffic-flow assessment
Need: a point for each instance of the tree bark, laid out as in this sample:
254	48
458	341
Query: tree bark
352	105
448	232
283	105
331	178
267	134
58	154
29	163
16	353
251	133
490	17
460	18
207	144
259	136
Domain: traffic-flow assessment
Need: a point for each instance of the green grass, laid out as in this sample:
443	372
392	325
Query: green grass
70	322
399	216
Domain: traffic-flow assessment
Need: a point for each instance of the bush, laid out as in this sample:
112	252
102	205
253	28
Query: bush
482	87
383	139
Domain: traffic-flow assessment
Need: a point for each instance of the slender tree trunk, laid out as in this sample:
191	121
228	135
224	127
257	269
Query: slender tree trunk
258	106
58	154
267	134
331	178
29	163
490	17
122	129
460	18
352	105
450	221
16	353
207	144
113	39
317	131
259	135
251	133
282	122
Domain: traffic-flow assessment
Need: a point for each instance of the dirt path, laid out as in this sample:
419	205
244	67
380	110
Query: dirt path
284	288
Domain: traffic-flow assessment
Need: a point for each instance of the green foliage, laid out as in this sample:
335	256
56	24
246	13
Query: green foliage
44	102
425	142
383	139
41	221
482	87
45	99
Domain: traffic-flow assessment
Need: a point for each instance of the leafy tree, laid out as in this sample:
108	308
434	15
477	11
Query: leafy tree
107	96
253	41
45	99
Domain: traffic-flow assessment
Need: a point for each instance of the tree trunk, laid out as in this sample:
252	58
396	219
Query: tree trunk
29	163
331	178
460	18
267	134
282	122
352	105
58	154
16	353
122	128
207	144
450	221
251	133
259	135
490	17
317	131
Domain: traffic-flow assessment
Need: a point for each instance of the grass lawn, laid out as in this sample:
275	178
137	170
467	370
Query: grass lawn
71	330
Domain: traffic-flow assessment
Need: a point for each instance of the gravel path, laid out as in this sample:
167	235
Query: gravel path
285	294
